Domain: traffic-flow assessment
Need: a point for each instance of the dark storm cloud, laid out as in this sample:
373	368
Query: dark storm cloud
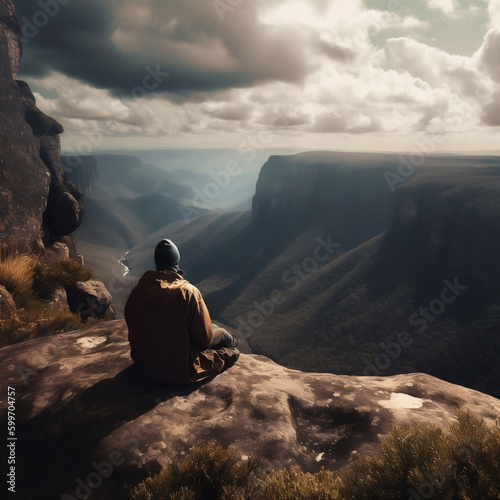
71	38
116	44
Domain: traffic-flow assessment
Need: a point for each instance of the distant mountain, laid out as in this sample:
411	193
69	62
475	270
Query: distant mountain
355	263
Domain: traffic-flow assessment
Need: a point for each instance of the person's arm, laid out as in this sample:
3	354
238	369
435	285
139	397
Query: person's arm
199	322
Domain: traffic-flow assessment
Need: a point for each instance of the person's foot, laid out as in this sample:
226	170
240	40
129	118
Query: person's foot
234	341
231	340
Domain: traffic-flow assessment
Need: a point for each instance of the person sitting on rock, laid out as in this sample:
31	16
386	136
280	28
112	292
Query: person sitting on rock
171	335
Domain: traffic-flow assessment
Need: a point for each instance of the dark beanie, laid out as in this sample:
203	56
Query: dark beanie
167	256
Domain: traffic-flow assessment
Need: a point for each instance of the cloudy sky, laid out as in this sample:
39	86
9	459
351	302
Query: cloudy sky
315	74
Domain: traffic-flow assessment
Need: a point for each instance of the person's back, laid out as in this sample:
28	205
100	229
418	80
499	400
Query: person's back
170	331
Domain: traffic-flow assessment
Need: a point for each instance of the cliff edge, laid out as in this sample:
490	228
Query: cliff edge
79	405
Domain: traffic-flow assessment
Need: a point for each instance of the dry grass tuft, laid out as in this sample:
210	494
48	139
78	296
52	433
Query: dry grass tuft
36	320
209	471
16	274
293	484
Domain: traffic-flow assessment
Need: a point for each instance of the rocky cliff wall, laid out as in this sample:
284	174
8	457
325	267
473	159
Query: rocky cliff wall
81	170
446	212
37	204
346	193
451	223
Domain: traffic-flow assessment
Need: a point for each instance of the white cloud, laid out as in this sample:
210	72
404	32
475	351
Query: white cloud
494	12
491	111
434	66
78	100
448	7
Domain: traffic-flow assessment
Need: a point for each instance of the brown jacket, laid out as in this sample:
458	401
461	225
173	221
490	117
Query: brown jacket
170	331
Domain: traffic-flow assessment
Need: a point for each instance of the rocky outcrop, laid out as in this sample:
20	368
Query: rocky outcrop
39	207
58	299
87	425
43	206
89	299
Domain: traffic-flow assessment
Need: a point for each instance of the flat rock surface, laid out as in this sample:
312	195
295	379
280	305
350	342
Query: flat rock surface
85	425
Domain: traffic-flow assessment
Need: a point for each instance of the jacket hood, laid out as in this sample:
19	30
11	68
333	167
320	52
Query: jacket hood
162	286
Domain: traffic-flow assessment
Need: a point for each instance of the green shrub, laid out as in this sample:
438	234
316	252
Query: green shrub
208	472
292	484
64	273
423	462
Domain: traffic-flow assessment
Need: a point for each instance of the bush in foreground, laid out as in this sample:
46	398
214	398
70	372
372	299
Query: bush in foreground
413	463
209	471
424	462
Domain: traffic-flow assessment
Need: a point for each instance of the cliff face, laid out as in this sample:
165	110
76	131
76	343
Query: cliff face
81	170
37	204
346	193
451	223
446	212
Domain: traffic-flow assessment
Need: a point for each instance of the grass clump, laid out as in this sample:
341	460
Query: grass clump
65	273
208	472
16	273
413	463
39	321
293	484
424	462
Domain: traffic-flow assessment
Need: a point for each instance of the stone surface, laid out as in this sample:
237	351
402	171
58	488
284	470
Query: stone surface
79	405
89	299
7	304
58	300
56	252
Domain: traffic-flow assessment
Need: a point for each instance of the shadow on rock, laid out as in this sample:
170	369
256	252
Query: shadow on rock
56	448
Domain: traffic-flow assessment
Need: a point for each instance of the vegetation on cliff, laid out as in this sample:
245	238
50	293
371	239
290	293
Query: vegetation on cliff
32	282
420	461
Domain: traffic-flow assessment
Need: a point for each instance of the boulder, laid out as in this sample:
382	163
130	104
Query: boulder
88	426
89	299
58	300
7	304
